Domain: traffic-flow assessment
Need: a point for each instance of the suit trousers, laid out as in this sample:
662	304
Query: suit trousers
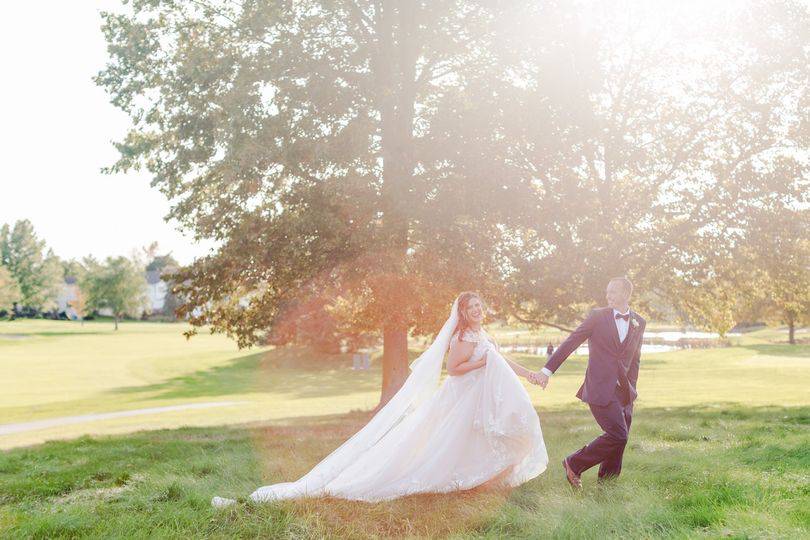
607	449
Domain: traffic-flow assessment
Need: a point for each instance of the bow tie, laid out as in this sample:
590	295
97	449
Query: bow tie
626	316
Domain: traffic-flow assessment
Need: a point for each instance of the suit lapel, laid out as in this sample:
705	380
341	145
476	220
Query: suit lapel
613	330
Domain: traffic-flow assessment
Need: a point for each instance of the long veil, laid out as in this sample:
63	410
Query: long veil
420	385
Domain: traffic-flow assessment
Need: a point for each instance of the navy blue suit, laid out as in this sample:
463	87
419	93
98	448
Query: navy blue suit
609	388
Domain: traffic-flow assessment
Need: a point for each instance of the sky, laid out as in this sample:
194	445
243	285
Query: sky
56	133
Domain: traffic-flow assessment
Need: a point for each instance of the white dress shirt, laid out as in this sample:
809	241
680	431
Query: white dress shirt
621	325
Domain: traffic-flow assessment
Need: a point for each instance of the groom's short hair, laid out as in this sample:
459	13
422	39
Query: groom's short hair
626	283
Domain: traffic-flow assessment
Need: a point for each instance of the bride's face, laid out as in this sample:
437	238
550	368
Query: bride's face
475	311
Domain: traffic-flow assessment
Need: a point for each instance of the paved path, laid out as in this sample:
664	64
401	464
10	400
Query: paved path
8	429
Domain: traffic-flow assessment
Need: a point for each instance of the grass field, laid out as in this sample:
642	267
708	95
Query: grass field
720	445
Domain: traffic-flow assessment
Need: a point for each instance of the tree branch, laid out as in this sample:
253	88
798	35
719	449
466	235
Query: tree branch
538	322
364	23
207	7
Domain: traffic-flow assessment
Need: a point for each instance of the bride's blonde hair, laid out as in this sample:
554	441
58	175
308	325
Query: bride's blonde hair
463	301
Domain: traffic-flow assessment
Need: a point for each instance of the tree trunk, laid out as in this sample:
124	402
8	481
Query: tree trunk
791	329
394	68
395	362
116	322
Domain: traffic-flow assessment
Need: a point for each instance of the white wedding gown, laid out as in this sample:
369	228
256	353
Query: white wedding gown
471	429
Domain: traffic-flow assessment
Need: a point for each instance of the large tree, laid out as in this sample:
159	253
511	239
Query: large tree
379	156
33	266
300	135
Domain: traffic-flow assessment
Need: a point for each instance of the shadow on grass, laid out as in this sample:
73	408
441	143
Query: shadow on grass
293	372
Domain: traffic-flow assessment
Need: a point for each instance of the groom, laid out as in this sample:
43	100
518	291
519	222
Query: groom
614	351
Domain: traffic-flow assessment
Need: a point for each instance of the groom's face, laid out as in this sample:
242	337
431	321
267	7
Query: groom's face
617	296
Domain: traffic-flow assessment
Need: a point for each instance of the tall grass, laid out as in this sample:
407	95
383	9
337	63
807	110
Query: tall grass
693	471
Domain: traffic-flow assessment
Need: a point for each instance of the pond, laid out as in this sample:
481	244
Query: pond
654	342
685	336
646	348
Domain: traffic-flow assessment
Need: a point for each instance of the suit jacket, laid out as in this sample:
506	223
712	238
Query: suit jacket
610	361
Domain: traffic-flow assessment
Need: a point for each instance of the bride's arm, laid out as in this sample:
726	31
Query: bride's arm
519	370
458	361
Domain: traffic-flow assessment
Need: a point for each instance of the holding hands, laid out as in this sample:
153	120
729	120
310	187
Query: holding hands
538	377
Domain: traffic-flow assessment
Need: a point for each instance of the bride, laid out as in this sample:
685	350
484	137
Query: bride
478	426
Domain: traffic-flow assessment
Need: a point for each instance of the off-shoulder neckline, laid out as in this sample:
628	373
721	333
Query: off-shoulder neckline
481	334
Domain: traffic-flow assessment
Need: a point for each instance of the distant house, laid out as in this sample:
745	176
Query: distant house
68	294
157	290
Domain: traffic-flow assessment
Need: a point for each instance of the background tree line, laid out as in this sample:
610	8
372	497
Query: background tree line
32	278
371	158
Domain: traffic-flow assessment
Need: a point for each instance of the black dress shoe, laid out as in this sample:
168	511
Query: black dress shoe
572	477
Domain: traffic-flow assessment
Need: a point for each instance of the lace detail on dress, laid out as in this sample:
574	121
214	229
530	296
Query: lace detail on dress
483	343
